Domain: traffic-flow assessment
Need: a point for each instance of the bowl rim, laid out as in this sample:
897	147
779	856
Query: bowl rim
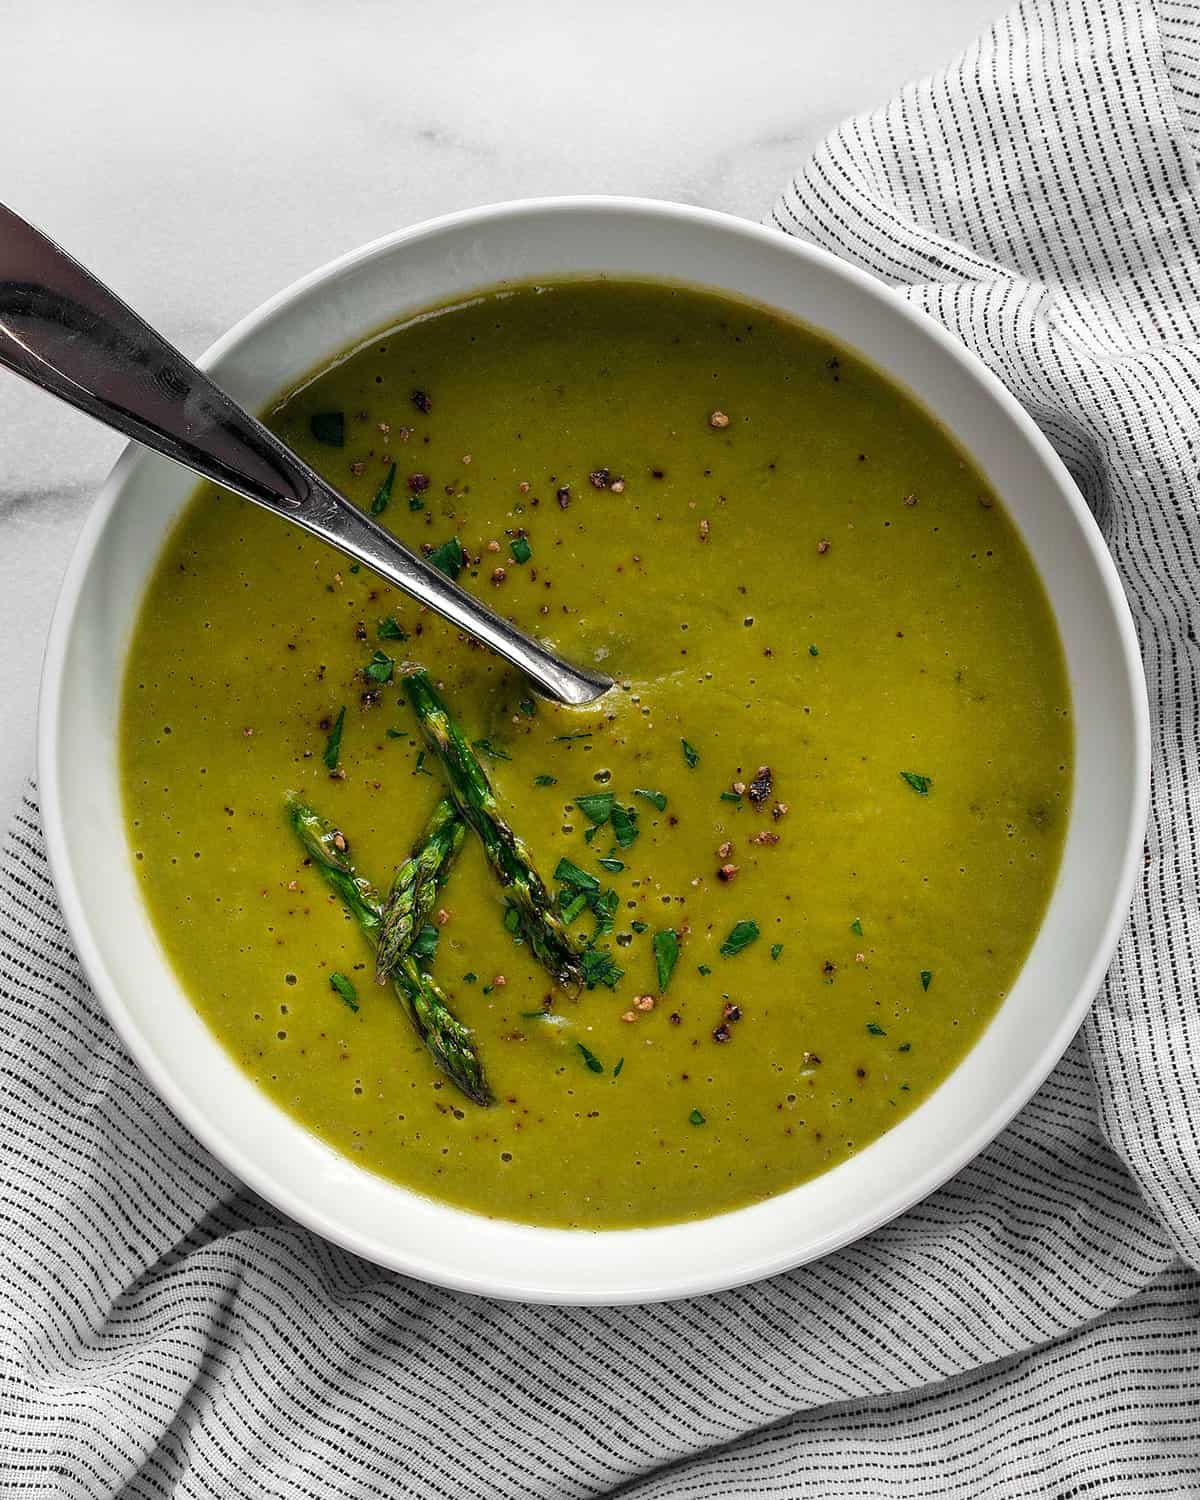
685	1282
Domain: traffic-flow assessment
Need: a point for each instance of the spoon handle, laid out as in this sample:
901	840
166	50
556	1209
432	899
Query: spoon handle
65	331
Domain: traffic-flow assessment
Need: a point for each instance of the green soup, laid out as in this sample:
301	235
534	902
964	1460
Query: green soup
786	564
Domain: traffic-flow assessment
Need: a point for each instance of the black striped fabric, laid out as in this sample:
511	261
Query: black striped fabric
1033	1329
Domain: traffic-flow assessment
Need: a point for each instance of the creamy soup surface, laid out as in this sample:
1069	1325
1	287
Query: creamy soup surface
817	820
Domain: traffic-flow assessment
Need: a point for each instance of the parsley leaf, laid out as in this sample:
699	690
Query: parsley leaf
424	945
875	1029
389	630
666	955
741	935
545	781
690	754
520	549
926	978
384	493
920	784
599	968
449	557
593	1062
344	988
856	927
695	1118
610	863
624	825
638	926
379	668
333	745
776	949
595	805
572	875
619	1066
658	798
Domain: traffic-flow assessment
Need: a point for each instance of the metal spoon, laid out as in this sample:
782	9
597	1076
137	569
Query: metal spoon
65	331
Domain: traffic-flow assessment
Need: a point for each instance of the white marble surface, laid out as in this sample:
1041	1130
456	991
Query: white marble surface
199	158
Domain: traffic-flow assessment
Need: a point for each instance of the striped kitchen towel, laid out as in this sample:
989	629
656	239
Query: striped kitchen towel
1031	1329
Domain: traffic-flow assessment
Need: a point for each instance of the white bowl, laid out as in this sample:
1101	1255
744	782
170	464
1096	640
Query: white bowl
93	868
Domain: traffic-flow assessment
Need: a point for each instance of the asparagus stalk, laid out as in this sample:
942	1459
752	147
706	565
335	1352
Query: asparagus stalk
416	885
509	858
447	1039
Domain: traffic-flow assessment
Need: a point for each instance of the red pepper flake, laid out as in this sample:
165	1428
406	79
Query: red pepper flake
722	1033
563	494
910	501
599	479
360	631
358	468
418	483
498	576
725	850
727	873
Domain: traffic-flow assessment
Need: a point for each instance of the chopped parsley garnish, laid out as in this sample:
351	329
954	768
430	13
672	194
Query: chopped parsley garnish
638	926
492	752
856	927
520	549
449	557
571	906
415	503
545	781
703	969
420	768
527	706
384	493
610	863
424	945
581	734
593	1062
904	1047
604	909
344	988
572	875
535	1015
599	968
741	935
731	796
329	427
389	630
812	651
658	798
470	977
695	1118
920	784
597	806
690	754
619	1066
624	824
379	668
875	1029
395	734
776	949
512	919
333	745
666	955
926	978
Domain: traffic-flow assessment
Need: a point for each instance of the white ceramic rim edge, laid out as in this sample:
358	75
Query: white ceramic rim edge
226	1149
